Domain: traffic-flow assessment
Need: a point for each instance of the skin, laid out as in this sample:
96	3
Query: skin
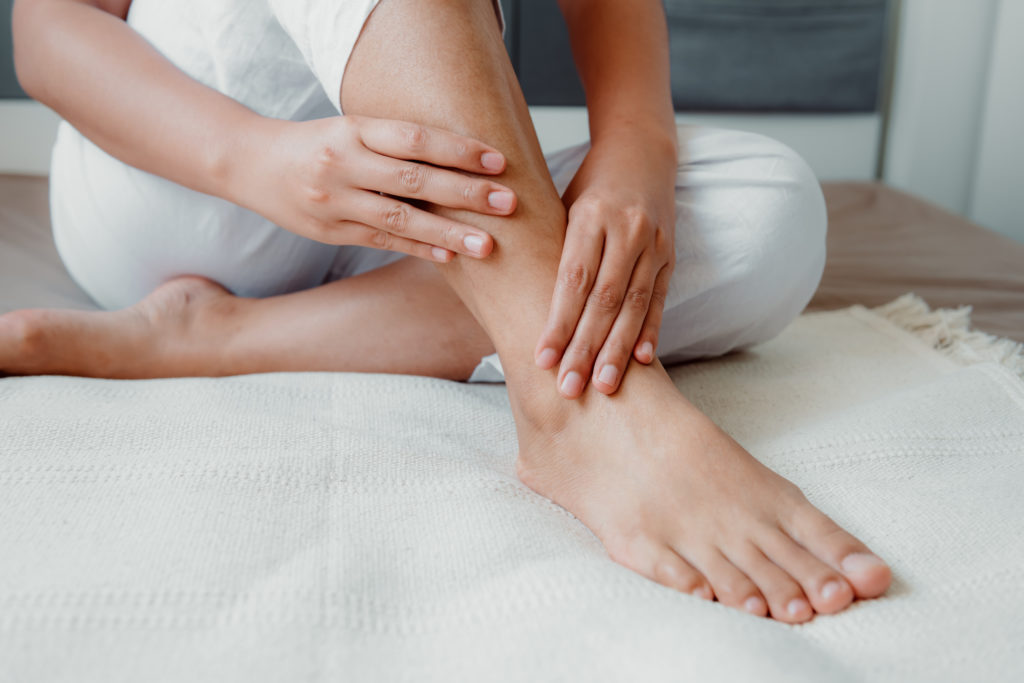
669	494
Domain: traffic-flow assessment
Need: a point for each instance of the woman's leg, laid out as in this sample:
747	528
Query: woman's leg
669	494
401	318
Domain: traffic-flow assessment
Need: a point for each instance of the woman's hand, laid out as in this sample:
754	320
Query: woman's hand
342	180
618	256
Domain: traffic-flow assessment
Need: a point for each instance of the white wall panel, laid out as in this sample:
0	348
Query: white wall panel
938	98
997	201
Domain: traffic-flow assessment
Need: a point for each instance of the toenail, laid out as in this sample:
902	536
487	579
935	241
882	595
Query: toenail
703	592
797	607
754	605
858	562
608	375
830	589
572	384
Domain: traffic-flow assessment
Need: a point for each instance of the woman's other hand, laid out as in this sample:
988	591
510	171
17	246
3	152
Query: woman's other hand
616	263
357	180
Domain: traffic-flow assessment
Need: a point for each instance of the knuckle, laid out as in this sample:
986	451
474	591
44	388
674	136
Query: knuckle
381	239
634	217
450	237
616	350
637	299
469	192
325	156
396	218
461	150
412	177
415	137
317	195
582	348
585	211
575	277
663	241
605	298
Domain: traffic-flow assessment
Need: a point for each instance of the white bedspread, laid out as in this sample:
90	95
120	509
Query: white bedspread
296	527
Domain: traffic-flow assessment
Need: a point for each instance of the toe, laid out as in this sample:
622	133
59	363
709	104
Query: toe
786	599
825	587
661	564
675	572
866	572
732	587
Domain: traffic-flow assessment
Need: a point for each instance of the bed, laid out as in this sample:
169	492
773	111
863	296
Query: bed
324	526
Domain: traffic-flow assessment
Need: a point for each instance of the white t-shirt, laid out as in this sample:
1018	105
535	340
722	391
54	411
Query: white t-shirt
281	58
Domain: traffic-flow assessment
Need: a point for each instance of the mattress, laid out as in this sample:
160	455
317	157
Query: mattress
882	243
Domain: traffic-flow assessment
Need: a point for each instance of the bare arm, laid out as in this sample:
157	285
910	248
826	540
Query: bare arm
619	250
621	52
334	180
82	60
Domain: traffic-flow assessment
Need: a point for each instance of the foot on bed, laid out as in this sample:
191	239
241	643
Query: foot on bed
149	339
674	498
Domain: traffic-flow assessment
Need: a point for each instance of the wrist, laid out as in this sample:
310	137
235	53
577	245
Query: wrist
653	137
237	161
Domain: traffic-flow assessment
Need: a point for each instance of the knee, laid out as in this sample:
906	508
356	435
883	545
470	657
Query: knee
760	245
785	239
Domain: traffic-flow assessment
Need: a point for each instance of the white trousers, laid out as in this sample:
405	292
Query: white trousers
750	238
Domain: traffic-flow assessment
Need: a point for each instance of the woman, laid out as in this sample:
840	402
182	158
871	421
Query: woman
205	185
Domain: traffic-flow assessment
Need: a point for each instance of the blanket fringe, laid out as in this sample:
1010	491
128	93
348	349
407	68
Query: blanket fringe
948	331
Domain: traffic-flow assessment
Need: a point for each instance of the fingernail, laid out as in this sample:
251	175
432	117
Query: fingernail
492	161
858	562
797	607
439	254
547	358
572	384
829	589
703	592
647	350
609	374
474	243
501	200
754	605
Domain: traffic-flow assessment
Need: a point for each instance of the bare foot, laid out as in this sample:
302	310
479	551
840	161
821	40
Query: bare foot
144	340
674	498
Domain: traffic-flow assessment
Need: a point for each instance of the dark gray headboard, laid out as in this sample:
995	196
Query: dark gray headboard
727	55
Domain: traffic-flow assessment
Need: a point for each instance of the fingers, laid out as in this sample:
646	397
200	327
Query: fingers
581	258
404	140
603	304
401	220
647	343
367	236
437	186
614	356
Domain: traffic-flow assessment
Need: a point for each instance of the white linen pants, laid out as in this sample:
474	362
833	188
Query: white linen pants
750	238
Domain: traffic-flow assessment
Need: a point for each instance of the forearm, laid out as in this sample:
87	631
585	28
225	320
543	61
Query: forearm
621	52
90	67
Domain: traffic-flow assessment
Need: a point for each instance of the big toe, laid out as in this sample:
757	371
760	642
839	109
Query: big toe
867	573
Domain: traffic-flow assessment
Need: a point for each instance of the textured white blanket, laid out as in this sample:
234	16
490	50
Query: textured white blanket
299	527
